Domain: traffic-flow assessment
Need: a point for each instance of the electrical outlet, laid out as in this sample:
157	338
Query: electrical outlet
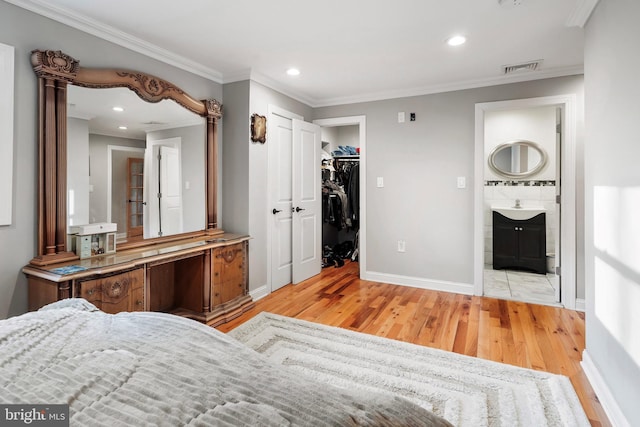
412	117
401	117
402	246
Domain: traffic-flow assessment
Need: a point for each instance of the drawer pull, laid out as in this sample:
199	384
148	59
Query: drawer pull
229	255
138	302
117	288
91	291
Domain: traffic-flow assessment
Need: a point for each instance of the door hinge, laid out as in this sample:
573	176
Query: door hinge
159	195
559	128
558	271
558	198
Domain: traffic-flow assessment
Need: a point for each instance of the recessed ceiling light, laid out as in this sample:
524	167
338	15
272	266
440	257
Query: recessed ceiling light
293	72
122	127
118	109
456	40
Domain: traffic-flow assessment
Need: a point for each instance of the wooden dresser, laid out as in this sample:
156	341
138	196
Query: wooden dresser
203	278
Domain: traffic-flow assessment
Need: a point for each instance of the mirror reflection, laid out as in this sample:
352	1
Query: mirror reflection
137	164
518	159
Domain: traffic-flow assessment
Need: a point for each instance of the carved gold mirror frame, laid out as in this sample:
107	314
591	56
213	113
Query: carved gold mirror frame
55	71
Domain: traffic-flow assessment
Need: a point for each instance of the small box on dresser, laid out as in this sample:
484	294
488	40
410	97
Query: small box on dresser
94	239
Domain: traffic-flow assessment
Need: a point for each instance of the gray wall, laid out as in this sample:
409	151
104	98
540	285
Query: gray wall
420	162
612	232
27	31
235	157
245	177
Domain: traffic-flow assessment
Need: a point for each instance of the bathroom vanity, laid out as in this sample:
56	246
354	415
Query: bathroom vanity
519	239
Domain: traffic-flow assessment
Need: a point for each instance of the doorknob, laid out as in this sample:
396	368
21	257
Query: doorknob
298	209
275	211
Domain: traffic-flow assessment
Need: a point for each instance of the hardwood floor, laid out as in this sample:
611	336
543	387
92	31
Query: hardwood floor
528	335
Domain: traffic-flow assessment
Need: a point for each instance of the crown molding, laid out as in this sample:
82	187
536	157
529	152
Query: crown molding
450	87
283	89
579	17
581	13
118	37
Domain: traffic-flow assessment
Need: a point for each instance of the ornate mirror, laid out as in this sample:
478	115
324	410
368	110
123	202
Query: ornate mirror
517	159
56	71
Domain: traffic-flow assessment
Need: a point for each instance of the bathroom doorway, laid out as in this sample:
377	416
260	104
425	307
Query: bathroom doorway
504	130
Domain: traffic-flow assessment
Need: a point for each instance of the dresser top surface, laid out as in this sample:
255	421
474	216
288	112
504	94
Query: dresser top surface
131	258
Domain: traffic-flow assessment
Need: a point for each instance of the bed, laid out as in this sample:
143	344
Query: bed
149	368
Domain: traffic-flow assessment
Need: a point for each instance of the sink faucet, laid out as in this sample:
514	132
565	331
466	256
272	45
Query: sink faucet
517	204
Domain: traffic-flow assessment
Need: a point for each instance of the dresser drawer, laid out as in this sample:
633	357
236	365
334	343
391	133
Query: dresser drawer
115	293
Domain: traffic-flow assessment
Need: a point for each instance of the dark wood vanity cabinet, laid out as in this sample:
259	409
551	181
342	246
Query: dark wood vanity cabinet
519	244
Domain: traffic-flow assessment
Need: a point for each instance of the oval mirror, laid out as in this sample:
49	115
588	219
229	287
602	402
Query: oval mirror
517	159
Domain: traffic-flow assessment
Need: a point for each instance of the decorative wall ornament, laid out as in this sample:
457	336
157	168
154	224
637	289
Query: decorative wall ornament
258	128
7	61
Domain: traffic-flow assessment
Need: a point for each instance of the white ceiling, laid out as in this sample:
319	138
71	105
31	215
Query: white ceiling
347	50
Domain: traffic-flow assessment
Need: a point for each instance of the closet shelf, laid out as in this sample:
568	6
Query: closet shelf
354	157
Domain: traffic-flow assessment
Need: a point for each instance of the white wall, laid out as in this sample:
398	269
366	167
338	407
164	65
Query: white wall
77	171
612	200
420	162
18	241
533	124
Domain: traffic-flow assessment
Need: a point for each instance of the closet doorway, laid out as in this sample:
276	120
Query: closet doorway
295	199
344	184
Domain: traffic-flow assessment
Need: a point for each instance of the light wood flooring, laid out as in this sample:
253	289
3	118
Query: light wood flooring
533	336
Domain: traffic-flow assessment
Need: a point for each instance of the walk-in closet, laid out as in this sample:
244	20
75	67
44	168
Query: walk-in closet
340	195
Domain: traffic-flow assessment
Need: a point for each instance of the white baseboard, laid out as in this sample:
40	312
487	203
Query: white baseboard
259	293
609	404
417	282
581	304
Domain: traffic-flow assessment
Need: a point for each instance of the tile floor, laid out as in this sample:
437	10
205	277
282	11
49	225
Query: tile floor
521	286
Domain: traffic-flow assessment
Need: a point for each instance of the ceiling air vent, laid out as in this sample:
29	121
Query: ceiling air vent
518	68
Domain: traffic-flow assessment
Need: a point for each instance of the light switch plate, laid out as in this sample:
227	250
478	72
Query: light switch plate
401	117
462	182
380	182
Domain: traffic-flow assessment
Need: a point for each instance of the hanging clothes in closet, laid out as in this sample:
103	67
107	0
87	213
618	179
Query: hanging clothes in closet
341	207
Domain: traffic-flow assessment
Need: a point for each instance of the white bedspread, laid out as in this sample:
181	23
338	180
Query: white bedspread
157	369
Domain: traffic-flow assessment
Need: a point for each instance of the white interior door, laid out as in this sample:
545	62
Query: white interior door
170	191
307	201
280	164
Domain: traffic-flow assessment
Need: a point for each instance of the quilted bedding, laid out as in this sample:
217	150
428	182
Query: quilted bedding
158	369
